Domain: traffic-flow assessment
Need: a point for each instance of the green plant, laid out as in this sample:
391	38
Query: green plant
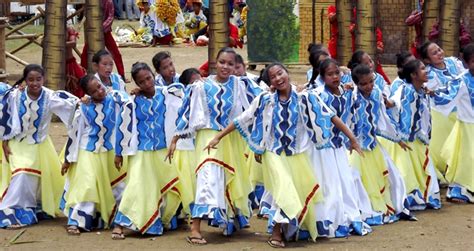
273	33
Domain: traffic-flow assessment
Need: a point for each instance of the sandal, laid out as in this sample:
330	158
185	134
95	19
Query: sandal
118	236
276	243
196	240
73	230
14	227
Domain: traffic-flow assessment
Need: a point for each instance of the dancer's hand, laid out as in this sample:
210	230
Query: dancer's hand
171	150
356	147
118	162
65	167
135	91
212	145
404	146
6	150
258	158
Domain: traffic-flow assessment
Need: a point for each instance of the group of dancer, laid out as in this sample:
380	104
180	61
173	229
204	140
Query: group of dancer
331	159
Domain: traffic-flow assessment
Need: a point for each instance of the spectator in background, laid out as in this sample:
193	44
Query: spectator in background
74	71
133	13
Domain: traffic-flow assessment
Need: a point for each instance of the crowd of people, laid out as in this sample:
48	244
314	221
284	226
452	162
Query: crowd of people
331	159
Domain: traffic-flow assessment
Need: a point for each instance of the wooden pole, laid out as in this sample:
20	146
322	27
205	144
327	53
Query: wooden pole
218	30
54	50
344	41
449	27
430	16
17	59
94	31
23	25
365	32
3	22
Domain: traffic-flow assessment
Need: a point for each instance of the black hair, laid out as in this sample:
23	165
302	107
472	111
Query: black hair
265	78
29	68
359	71
468	52
314	56
402	60
314	47
325	64
226	50
356	59
84	82
423	50
187	74
98	55
158	58
409	68
239	59
260	76
137	67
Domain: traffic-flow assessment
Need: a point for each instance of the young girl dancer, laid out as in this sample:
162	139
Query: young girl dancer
31	180
380	177
103	64
414	126
440	70
339	213
459	146
151	197
361	57
279	127
89	160
164	67
222	181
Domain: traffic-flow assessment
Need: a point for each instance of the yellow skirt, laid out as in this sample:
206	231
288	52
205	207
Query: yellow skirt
255	168
458	152
185	161
441	127
230	156
151	185
89	181
39	160
374	175
293	186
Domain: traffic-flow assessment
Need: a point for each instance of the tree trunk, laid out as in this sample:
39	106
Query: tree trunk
365	31
430	16
54	50
344	41
93	30
449	27
218	30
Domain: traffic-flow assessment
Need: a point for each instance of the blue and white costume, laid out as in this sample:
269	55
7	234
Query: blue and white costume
459	146
381	179
222	185
414	126
283	131
160	81
94	186
31	180
151	197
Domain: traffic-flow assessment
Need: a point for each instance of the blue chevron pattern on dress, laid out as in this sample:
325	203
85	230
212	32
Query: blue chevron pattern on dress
184	112
5	123
83	220
468	79
412	106
20	216
367	115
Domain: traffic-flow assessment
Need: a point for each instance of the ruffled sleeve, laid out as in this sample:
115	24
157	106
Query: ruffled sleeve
446	98
385	126
126	142
248	91
63	104
193	114
405	101
251	124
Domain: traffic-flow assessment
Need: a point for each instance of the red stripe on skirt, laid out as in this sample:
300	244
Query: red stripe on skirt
308	199
26	170
218	162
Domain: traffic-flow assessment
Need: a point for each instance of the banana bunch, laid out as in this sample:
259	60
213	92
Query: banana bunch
167	11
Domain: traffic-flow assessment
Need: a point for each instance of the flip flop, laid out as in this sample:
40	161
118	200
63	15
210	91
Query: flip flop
118	236
276	243
73	230
193	240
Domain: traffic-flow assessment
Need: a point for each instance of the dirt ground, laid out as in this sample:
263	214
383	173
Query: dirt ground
450	228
